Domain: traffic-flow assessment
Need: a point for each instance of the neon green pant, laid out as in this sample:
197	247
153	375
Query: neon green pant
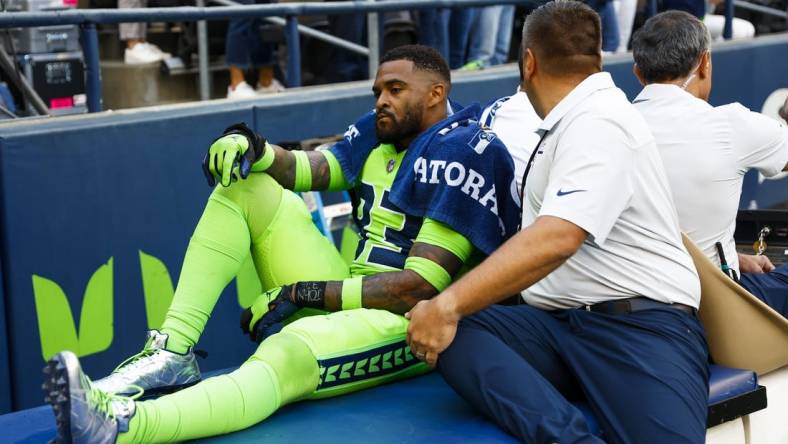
313	357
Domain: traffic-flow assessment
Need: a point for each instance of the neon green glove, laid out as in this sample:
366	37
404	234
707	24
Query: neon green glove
272	307
231	157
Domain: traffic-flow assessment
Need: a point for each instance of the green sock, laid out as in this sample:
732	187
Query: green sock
217	249
231	402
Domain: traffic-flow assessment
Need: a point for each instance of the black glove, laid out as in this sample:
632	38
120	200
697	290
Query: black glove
265	316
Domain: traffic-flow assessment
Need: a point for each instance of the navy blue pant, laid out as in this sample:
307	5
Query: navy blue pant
434	30
244	45
644	374
771	288
448	31
609	21
347	66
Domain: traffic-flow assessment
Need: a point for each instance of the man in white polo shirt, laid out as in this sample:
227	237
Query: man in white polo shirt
610	292
514	121
707	150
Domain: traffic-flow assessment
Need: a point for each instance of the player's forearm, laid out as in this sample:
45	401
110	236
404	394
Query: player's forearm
285	170
395	291
428	269
519	263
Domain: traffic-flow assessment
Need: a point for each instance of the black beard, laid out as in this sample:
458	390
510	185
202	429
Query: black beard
400	130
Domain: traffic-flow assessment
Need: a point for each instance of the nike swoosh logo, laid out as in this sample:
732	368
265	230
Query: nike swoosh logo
564	193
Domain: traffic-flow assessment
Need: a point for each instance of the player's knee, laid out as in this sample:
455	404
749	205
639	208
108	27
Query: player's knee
293	362
258	187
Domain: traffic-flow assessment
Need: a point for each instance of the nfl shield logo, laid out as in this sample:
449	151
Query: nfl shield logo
481	140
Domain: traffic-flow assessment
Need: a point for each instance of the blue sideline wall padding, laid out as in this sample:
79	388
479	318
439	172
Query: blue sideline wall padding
5	380
79	191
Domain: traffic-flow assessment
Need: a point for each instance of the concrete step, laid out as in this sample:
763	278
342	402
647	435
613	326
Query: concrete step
132	86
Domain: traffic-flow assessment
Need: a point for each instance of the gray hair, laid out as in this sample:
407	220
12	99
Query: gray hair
669	46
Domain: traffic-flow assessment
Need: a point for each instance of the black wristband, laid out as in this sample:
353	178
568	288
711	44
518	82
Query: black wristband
310	294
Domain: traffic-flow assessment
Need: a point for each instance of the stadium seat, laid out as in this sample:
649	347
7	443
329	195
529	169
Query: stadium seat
733	393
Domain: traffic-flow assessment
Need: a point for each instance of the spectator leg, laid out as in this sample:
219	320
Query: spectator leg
610	34
132	32
347	66
245	49
625	13
460	30
504	39
434	30
482	45
694	7
742	29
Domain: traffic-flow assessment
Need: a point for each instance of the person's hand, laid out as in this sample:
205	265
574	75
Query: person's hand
432	328
783	112
754	264
230	157
265	316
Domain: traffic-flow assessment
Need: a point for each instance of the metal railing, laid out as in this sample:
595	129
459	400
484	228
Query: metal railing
287	14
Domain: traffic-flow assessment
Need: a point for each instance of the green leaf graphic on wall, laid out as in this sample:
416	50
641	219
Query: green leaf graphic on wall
56	323
157	287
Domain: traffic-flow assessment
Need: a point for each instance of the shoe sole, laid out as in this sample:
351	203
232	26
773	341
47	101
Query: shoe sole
57	393
160	391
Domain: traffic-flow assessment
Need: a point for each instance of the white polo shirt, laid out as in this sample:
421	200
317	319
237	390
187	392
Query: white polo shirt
598	167
706	151
515	122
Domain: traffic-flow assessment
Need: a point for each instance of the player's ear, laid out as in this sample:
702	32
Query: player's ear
438	94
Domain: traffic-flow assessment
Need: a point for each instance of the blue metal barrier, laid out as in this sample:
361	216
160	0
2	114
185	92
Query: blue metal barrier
294	50
89	40
88	18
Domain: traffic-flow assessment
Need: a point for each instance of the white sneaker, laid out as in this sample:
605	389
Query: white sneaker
142	53
157	50
241	91
273	88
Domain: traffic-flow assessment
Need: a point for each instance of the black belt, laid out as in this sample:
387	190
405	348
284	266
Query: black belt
631	305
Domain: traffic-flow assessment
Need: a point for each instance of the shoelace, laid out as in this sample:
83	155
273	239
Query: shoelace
133	361
103	401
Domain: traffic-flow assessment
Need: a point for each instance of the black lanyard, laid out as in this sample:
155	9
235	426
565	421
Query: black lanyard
525	177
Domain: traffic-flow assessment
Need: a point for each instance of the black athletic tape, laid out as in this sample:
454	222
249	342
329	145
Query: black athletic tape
310	294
